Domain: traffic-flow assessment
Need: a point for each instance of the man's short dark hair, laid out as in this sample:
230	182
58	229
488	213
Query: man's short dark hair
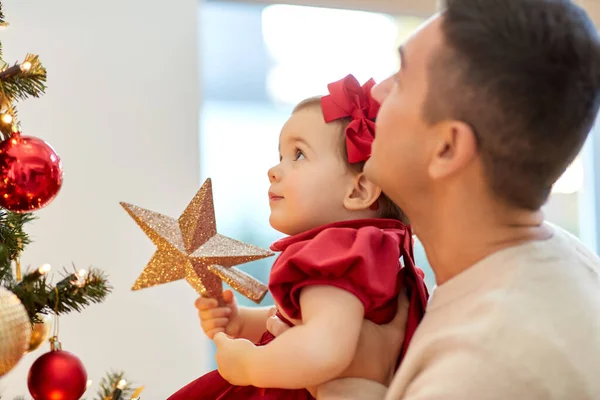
525	75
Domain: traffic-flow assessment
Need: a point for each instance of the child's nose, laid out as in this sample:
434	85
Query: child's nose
274	174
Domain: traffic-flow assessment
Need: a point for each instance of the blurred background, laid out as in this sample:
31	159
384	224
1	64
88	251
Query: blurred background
146	99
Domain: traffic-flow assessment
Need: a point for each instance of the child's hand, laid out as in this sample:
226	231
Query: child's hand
233	358
219	319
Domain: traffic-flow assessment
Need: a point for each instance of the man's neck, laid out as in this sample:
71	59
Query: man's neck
456	238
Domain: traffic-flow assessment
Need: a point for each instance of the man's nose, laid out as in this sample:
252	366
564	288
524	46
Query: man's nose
380	91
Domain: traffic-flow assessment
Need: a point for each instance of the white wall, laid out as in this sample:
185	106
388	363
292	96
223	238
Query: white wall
593	9
422	8
122	111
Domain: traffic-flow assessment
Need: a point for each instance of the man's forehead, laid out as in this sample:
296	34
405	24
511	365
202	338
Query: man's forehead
425	40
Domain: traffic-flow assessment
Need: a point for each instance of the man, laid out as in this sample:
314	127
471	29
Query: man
493	101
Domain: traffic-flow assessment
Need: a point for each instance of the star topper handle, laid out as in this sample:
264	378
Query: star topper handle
190	248
241	282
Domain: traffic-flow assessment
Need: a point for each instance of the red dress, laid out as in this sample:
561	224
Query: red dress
360	256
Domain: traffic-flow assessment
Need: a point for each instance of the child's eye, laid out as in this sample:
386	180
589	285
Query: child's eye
299	155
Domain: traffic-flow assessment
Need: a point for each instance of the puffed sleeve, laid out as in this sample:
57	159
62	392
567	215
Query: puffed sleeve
364	261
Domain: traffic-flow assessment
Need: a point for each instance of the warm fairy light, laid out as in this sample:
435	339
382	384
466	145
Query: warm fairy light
26	66
7	118
44	269
88	384
122	383
80	275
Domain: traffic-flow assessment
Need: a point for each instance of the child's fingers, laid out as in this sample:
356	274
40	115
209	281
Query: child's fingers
213	332
205	303
212	313
228	296
216	323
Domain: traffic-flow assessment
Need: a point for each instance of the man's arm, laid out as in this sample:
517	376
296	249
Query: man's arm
455	372
457	368
351	388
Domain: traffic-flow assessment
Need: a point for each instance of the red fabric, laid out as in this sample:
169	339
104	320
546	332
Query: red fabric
359	256
348	99
213	386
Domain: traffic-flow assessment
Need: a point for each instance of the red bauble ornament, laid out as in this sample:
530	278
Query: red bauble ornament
57	375
30	173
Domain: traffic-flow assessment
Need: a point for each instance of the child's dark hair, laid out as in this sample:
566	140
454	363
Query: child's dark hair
386	207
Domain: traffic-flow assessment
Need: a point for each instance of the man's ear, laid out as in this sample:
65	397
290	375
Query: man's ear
362	193
456	147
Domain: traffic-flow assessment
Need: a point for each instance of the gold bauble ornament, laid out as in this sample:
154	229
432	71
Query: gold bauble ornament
40	332
15	330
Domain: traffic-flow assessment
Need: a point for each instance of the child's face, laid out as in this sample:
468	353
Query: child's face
310	182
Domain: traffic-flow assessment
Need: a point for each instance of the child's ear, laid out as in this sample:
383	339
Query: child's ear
362	193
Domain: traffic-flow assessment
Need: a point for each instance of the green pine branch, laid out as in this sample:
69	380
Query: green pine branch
2	21
72	293
12	240
33	294
74	297
24	83
109	383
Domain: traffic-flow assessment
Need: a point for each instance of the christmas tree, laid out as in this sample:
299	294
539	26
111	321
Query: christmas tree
30	178
76	289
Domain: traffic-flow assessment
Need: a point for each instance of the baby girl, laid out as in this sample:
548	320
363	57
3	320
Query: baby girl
347	257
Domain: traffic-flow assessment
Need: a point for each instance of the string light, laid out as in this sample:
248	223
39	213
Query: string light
26	66
80	278
116	395
44	269
7	118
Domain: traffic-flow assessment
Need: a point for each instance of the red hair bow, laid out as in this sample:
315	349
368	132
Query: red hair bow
347	98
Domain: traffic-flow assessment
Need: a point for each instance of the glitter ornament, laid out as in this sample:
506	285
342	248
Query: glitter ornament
190	248
39	332
15	330
30	173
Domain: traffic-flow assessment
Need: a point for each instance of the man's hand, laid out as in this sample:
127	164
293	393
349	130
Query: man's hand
274	324
233	358
378	346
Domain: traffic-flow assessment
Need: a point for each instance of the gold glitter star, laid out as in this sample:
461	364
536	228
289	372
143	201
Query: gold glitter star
190	248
